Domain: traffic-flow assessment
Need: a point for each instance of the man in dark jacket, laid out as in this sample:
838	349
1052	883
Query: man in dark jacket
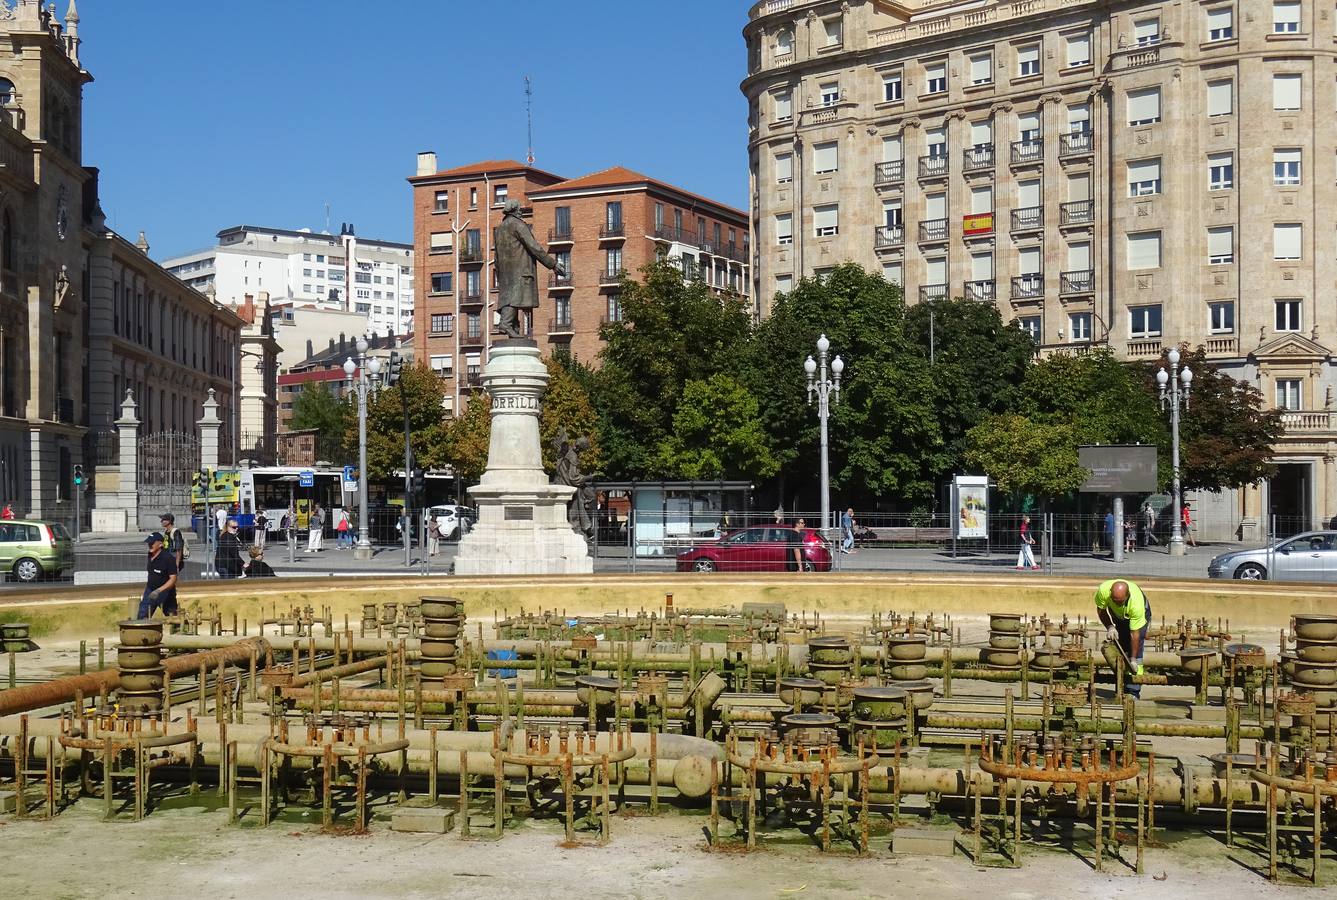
517	272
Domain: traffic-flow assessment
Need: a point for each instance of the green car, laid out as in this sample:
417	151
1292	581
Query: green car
31	550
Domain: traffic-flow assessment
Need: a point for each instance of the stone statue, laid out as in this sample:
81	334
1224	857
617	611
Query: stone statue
517	272
569	473
62	288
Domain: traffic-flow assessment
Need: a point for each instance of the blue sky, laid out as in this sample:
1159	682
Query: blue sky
207	114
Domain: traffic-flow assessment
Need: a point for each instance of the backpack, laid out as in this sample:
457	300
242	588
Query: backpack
176	534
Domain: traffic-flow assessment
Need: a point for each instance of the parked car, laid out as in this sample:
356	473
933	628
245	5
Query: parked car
30	549
453	520
758	548
1311	556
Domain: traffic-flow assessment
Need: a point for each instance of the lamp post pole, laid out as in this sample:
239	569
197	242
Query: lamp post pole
1174	386
362	380
826	387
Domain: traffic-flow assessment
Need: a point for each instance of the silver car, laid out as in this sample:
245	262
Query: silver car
1311	556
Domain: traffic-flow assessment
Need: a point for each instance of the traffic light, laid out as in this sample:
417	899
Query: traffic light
417	481
394	368
78	476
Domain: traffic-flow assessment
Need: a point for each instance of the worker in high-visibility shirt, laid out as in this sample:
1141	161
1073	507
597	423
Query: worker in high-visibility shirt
1125	611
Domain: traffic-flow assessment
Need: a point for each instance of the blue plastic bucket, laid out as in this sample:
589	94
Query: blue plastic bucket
502	655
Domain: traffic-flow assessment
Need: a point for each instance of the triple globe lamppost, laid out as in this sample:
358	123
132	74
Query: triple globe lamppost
1174	386
364	374
827	388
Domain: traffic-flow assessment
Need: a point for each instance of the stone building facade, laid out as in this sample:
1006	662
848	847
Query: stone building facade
1126	174
601	226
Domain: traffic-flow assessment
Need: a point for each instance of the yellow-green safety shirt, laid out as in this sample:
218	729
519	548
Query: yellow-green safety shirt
1134	610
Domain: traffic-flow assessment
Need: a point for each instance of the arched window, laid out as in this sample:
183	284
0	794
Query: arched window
784	42
6	92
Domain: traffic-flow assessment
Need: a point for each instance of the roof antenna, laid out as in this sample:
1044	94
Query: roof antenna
327	217
529	116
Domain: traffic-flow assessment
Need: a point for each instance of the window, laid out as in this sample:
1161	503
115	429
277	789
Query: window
613	261
443	365
981	199
442	242
1221	317
935	140
835	32
892	88
830	93
1144	321
1079	49
1220	24
473	241
1028	194
1220	98
784	42
784	169
442	282
1144	250
1031	325
981	266
826	220
1079	257
1221	245
1286	166
981	134
443	323
892	150
1288	393
1029	264
784	284
1288	315
935	270
784	107
615	307
1079	186
825	157
1144	106
1079	326
892	273
784	229
1144	177
562	308
473	198
1286	16
935	78
935	206
442	202
1147	32
892	214
472	283
1079	118
1286	240
613	215
561	220
499	194
981	68
472	325
1286	91
1028	60
1220	171
1028	127
306	257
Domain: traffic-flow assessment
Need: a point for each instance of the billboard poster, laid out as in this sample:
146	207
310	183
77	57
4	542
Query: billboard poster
971	499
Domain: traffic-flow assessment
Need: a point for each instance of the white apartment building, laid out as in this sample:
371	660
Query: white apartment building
1124	173
309	268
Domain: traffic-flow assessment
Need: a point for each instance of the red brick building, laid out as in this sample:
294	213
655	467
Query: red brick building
600	225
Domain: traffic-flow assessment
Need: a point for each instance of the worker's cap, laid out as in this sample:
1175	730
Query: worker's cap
155	538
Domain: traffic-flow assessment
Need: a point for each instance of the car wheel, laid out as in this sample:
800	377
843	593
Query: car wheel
27	570
809	566
703	565
1251	572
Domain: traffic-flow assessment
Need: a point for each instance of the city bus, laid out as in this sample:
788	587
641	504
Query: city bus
268	489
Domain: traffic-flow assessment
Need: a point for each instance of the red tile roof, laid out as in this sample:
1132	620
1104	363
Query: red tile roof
487	167
619	176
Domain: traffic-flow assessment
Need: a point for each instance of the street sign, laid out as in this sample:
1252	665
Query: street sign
1119	468
350	474
306	478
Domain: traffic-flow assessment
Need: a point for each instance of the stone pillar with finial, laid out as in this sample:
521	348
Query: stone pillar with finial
210	426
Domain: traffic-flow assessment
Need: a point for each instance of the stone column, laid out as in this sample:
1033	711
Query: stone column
127	428
210	425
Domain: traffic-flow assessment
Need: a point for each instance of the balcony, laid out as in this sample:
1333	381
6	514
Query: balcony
559	281
1145	349
980	290
611	279
1223	346
1081	281
1077	212
933	230
471	340
611	231
606	319
888	236
471	295
561	327
928	292
1075	143
889	172
977	159
1028	287
1030	218
1306	421
734	253
933	166
470	255
560	235
1028	153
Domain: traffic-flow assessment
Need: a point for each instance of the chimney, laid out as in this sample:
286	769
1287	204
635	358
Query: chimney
427	163
310	349
142	244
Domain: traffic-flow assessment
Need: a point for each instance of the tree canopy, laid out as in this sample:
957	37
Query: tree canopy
317	409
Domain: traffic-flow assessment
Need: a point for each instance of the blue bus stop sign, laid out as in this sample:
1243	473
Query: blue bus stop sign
306	478
350	474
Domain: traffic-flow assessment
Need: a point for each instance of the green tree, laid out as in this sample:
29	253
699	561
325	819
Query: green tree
423	391
468	437
1026	457
717	434
1103	400
317	409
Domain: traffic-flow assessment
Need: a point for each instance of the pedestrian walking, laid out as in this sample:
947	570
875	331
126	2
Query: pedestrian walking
1186	519
174	541
227	558
1124	609
1109	530
7	513
343	529
256	567
1148	524
315	533
1129	535
797	547
261	529
1025	558
433	535
160	586
847	531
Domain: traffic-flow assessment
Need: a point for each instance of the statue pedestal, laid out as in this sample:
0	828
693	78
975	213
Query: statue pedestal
522	519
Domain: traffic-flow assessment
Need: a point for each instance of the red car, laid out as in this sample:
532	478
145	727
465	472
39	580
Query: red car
759	548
